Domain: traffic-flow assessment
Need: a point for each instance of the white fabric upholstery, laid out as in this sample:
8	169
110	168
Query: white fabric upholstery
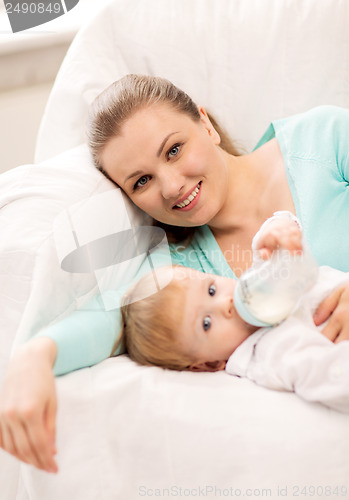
122	427
124	430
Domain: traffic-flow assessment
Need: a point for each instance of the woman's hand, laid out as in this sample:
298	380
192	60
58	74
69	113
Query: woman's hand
335	307
279	232
28	405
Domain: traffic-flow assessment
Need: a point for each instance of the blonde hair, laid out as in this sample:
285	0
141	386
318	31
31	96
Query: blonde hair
118	102
150	326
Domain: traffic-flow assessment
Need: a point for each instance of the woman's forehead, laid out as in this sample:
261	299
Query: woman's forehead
161	111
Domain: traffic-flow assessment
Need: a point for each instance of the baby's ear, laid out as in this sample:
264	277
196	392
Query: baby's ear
208	366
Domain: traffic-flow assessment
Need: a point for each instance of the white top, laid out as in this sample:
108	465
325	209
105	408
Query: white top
295	356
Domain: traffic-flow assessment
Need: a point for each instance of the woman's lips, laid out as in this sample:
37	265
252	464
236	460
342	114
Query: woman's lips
192	202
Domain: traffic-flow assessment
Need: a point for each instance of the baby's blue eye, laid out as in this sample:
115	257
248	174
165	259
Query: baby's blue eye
212	290
206	323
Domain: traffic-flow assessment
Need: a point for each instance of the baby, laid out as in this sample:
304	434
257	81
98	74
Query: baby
192	324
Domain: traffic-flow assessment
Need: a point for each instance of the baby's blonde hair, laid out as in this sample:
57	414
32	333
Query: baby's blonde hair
150	326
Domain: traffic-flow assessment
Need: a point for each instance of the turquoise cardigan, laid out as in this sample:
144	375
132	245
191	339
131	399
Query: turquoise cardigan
315	149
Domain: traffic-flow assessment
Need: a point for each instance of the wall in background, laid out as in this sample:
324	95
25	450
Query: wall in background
28	68
20	115
29	62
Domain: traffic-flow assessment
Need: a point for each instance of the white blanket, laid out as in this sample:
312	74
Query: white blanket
124	430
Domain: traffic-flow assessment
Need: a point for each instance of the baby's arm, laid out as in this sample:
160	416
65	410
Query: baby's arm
282	230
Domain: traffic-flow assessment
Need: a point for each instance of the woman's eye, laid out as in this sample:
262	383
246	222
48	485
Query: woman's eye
212	290
206	323
141	182
173	151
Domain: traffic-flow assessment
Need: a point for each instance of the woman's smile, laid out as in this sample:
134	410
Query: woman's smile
189	200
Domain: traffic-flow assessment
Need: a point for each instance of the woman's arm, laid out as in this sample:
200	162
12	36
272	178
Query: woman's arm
84	338
28	405
28	396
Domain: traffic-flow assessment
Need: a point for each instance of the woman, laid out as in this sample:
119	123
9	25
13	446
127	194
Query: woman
175	164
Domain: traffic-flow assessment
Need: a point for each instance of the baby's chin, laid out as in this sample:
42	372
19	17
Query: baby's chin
251	328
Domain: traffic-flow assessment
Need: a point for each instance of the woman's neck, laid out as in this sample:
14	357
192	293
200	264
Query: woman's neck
257	187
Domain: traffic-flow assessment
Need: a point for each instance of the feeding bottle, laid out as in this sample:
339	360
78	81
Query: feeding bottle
268	292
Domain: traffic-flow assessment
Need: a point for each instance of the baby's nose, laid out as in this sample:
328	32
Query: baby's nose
227	306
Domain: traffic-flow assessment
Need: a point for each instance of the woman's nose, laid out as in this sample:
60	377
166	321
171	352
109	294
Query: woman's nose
172	185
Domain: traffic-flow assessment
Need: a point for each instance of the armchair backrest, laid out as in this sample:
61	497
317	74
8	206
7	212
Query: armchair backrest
246	61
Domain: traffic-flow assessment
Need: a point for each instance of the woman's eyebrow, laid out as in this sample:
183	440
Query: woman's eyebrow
163	143
138	172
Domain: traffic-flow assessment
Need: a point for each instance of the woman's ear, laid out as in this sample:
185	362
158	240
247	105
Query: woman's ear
208	366
205	120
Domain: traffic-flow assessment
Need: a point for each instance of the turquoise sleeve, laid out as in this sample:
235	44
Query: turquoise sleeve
339	122
85	337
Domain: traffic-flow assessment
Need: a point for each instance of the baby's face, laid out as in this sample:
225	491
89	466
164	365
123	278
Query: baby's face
211	328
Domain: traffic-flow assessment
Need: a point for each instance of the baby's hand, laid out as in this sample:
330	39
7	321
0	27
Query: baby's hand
335	308
278	232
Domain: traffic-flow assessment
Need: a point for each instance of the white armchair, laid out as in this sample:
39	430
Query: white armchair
126	431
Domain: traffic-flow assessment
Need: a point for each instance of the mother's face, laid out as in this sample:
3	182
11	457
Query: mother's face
169	165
